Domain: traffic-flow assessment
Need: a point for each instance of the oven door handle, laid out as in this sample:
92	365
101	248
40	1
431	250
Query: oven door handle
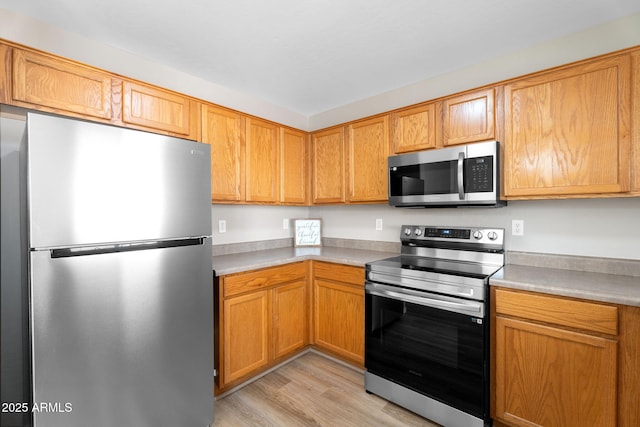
468	307
460	291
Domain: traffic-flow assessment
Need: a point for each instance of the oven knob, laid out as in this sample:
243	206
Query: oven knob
477	235
407	232
417	232
492	235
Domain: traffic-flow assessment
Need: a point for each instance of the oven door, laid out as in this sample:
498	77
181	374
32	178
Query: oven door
430	344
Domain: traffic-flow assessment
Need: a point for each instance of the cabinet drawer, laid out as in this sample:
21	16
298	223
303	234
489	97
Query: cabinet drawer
258	279
340	272
583	315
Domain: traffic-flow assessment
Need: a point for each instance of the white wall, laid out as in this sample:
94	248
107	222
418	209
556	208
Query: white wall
591	227
249	223
618	34
36	34
608	228
615	35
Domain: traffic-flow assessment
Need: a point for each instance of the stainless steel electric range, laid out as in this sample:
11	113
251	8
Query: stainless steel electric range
427	323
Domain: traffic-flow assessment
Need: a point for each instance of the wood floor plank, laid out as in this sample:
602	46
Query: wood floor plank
313	391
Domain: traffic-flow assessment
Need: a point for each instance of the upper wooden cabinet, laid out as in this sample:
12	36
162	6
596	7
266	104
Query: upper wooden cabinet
367	152
262	161
224	130
44	81
294	160
469	117
567	131
635	121
415	129
328	172
158	109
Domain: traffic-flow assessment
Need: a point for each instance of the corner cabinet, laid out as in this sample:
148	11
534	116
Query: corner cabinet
635	122
338	307
262	161
294	167
328	166
556	361
262	318
368	148
567	130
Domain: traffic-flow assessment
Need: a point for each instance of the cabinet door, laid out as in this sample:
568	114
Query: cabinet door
246	334
469	117
339	319
263	161
157	109
567	131
553	377
224	131
367	153
290	319
293	167
635	122
327	153
44	81
415	129
5	73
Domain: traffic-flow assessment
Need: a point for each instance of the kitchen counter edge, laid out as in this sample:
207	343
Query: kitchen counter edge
602	287
247	261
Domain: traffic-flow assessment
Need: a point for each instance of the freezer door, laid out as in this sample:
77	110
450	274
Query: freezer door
123	339
91	183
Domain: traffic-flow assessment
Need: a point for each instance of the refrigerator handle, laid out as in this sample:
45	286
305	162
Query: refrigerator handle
125	247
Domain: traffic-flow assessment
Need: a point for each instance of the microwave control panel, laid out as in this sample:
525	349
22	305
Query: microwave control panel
478	174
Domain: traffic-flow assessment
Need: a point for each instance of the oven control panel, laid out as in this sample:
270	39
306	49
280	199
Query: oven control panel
472	235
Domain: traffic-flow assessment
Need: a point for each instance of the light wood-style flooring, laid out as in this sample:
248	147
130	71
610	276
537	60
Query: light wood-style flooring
311	390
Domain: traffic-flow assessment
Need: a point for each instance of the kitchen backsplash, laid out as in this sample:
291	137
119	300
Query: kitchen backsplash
606	228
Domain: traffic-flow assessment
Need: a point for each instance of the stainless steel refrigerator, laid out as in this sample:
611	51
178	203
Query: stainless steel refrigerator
107	293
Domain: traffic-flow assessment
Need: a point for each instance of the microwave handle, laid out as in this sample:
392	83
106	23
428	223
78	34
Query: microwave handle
461	175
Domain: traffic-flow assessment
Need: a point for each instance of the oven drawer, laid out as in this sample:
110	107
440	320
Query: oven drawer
587	316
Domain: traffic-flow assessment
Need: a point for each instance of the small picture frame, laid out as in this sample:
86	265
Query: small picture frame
308	232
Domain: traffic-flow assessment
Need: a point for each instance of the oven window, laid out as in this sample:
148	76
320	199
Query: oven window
424	179
434	352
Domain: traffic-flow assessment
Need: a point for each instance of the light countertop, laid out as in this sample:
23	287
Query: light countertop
235	263
603	287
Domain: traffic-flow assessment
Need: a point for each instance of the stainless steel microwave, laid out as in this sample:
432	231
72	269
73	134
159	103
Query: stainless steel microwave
463	175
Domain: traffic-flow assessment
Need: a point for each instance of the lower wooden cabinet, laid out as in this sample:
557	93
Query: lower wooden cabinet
246	332
556	361
338	307
263	317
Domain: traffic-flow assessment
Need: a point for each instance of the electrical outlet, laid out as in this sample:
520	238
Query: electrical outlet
379	224
222	226
517	227
285	224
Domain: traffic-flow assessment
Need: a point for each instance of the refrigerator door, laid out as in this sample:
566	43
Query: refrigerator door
123	339
92	183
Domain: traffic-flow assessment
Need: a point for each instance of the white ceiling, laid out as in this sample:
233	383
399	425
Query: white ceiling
310	56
